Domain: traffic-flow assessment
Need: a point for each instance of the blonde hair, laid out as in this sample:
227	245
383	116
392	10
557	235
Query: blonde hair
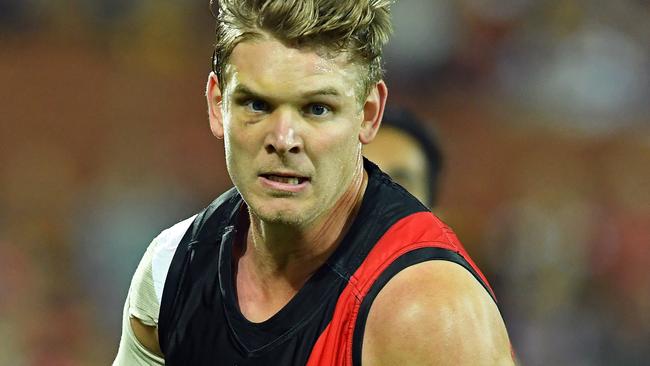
357	27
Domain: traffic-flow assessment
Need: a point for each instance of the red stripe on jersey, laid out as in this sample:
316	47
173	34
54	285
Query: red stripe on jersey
419	230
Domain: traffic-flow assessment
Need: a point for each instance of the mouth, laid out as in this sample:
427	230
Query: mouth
288	182
286	179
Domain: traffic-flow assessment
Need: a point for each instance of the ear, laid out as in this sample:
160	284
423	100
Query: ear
215	113
373	111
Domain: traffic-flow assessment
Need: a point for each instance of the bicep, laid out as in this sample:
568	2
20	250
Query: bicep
139	343
435	313
146	335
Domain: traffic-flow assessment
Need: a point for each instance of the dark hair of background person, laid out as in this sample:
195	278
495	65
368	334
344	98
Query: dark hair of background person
405	121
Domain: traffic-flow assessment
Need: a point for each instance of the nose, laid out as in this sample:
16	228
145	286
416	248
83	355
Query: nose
282	137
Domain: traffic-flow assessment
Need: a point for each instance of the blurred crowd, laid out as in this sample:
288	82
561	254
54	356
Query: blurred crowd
540	107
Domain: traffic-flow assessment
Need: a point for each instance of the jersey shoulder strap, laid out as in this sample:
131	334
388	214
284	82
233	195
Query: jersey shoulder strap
203	236
416	238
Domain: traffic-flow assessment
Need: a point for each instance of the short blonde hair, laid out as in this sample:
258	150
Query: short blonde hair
358	27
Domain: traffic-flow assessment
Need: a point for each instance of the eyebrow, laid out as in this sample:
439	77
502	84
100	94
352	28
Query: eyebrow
327	91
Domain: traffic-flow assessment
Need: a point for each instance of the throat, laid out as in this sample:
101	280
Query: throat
260	296
277	260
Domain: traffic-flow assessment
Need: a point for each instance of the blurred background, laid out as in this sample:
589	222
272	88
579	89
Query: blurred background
542	109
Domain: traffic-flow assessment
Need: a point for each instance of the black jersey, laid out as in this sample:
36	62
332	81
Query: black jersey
323	324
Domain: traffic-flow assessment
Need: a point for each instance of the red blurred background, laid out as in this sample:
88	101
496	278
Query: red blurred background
541	108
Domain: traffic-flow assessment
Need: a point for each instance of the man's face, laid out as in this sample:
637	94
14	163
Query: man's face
400	155
291	122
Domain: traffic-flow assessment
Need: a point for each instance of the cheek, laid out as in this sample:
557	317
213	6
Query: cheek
332	145
335	154
237	138
235	145
342	133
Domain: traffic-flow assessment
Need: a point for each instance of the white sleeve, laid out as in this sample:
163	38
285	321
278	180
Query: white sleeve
131	351
141	303
145	294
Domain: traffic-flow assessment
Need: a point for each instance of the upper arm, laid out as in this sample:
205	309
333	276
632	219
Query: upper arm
435	312
142	307
146	335
139	344
136	347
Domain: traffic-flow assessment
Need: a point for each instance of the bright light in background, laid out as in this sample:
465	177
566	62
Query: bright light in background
597	74
425	33
597	70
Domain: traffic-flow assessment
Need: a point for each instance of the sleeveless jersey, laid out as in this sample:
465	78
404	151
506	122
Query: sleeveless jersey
323	324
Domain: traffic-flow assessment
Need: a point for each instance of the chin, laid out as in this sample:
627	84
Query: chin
282	217
280	213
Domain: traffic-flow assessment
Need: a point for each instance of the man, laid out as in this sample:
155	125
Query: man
315	257
416	164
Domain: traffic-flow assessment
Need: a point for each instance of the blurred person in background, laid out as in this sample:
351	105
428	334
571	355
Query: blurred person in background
319	252
417	163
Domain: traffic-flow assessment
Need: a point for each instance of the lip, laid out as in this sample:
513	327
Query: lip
285	187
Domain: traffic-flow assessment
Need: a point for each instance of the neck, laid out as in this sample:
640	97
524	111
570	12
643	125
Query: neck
290	254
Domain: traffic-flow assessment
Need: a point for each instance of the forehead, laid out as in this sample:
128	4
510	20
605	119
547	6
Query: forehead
269	64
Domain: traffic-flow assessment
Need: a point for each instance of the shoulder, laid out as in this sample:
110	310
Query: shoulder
163	248
142	308
149	277
435	312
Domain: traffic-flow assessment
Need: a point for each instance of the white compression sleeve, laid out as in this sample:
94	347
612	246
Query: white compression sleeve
131	351
145	293
143	304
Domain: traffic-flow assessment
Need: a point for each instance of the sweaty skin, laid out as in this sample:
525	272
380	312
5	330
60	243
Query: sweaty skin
446	318
294	114
281	133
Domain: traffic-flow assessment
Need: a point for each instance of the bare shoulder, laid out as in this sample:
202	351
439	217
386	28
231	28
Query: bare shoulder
435	312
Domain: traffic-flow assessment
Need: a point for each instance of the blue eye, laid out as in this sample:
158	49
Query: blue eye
318	109
257	105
